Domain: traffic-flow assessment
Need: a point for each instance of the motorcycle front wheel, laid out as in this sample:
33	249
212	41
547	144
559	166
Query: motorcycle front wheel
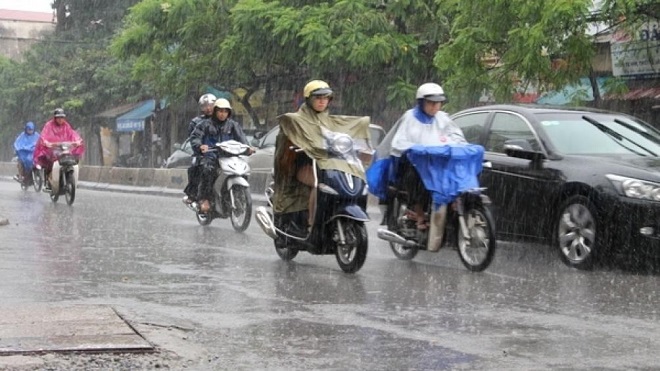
203	218
353	253
477	251
284	252
241	214
69	188
54	196
37	179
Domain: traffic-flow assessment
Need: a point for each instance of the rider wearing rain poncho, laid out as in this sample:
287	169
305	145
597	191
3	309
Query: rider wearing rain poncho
428	137
24	148
56	130
307	129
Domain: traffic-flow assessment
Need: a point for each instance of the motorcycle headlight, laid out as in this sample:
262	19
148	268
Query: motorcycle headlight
342	144
635	188
65	147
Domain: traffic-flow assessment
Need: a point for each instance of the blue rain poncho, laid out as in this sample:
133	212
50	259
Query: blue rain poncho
449	170
445	170
25	143
437	149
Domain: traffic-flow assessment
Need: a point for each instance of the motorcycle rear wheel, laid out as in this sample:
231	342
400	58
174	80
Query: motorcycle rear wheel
240	216
400	251
352	255
477	253
69	188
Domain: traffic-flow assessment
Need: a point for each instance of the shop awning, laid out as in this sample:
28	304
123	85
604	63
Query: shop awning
582	91
134	120
117	111
640	89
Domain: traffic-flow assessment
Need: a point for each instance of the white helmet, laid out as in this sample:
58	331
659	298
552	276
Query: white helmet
207	99
222	103
431	91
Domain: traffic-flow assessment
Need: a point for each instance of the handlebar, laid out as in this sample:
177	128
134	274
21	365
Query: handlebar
60	144
246	150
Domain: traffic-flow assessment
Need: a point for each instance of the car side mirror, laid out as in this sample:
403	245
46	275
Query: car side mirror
176	146
255	142
521	148
518	144
514	150
258	134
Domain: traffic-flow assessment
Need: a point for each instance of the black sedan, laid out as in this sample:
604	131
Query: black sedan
585	181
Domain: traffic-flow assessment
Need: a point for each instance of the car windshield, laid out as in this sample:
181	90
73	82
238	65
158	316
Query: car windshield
578	133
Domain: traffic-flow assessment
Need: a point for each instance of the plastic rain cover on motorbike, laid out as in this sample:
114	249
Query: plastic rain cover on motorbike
447	170
313	133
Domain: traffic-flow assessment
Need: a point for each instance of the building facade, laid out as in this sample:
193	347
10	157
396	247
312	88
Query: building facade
20	29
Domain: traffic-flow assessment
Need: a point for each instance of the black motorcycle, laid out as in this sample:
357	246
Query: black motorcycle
32	174
339	222
465	223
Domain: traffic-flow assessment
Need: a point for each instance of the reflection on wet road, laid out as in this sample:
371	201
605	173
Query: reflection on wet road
148	258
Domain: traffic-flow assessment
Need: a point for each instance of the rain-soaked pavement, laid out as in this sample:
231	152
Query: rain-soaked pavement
224	300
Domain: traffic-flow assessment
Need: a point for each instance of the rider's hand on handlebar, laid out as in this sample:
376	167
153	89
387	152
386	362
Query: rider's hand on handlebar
48	144
204	148
77	143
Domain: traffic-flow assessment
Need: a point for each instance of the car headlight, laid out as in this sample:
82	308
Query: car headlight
635	188
342	144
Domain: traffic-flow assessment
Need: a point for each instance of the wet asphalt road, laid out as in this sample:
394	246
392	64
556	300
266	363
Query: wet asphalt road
228	302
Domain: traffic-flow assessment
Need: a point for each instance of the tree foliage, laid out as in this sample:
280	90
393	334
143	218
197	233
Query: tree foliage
503	44
70	68
374	52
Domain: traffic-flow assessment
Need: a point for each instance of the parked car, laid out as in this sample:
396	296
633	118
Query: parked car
586	181
181	157
262	160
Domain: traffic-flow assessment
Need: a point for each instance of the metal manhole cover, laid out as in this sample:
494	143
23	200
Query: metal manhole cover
39	328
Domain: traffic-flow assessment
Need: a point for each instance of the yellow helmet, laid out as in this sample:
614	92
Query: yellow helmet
317	87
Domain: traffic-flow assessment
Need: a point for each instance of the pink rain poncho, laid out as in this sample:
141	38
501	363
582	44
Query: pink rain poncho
54	133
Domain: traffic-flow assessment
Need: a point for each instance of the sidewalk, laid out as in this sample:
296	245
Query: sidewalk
257	198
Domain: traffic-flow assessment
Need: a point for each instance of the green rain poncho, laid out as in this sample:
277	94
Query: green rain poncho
305	129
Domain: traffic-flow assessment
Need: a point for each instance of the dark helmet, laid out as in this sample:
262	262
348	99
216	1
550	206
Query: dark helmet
59	112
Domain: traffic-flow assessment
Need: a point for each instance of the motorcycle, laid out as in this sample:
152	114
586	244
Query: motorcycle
64	176
32	175
464	221
232	197
339	222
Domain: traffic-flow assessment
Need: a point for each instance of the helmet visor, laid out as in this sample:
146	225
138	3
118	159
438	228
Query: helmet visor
322	92
436	98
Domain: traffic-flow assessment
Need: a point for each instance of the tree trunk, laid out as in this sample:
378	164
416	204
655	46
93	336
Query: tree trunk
595	88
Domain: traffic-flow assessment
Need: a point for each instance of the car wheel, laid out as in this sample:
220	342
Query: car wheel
576	233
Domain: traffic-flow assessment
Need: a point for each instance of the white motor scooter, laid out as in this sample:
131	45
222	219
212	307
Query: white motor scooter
231	190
